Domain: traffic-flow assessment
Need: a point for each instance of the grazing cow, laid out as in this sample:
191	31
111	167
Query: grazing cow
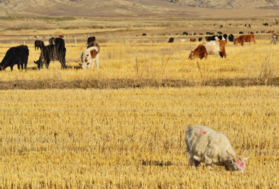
262	31
220	33
209	33
223	37
171	40
200	33
185	33
245	25
221	26
257	32
144	34
177	34
245	38
200	39
240	32
193	39
231	38
51	41
212	48
211	38
89	56
270	32
52	53
39	44
249	26
265	24
250	32
275	38
216	47
15	55
200	52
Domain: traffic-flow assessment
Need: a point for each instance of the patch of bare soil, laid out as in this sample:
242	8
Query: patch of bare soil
130	83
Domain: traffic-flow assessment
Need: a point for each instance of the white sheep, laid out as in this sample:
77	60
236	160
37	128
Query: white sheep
211	147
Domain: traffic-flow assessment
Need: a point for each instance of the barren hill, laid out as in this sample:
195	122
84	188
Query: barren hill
111	8
226	3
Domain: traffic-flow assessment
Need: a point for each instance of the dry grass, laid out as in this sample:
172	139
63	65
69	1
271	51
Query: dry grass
133	138
156	61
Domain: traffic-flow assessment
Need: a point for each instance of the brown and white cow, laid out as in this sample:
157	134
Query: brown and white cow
275	38
211	47
245	38
193	39
89	56
200	52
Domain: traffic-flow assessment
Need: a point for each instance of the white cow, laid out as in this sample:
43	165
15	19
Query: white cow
89	56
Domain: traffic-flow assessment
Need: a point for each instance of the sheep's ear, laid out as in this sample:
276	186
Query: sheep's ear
246	158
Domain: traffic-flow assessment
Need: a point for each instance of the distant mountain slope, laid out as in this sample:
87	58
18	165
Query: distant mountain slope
84	7
112	8
226	3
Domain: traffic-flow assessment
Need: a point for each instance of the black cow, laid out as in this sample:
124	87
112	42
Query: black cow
211	38
249	26
200	39
15	55
144	34
231	38
245	25
91	40
221	26
171	40
39	44
225	36
265	24
241	32
209	33
220	33
52	53
185	33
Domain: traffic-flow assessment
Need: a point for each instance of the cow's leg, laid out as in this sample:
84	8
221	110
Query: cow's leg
18	66
97	62
12	68
221	54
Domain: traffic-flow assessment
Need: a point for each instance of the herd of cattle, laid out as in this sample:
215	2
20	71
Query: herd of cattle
54	51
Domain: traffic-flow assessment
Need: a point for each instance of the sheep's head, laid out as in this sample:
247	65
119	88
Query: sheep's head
237	164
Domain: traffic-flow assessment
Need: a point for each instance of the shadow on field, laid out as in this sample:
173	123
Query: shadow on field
130	83
156	163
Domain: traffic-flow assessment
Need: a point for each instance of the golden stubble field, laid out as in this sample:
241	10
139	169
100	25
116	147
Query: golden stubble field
134	138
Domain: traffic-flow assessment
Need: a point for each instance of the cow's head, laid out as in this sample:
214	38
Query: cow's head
236	41
191	55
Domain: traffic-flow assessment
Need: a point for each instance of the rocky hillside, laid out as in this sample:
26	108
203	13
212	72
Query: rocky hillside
111	8
226	3
84	7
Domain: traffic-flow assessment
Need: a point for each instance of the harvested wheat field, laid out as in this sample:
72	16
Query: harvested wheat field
134	138
123	125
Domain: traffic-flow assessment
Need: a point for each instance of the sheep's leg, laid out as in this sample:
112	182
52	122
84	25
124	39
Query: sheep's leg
193	162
